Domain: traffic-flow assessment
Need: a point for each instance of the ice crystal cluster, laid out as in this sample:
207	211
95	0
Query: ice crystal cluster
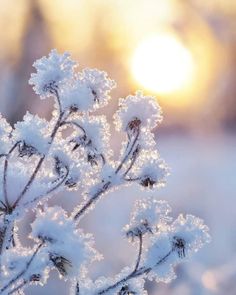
71	151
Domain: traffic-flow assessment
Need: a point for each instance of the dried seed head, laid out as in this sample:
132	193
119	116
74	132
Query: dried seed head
125	290
27	150
134	124
60	262
147	181
179	245
35	278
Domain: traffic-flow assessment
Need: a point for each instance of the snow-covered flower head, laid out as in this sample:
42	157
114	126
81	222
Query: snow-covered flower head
137	110
77	97
169	246
150	170
100	85
94	137
52	73
33	135
188	235
69	248
148	216
66	163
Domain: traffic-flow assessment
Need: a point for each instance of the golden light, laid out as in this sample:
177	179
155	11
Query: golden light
162	64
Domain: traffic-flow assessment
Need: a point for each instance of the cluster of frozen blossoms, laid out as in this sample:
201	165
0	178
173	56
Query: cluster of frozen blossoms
71	151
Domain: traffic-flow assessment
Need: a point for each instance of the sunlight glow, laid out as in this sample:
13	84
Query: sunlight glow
162	64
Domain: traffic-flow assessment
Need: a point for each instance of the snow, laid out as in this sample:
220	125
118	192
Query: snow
143	108
63	239
148	215
53	72
33	132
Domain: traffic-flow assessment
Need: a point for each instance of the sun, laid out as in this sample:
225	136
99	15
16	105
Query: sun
162	64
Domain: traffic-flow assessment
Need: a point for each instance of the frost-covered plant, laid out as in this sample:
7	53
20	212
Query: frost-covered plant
40	158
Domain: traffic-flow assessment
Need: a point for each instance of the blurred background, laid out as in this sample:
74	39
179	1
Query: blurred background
184	53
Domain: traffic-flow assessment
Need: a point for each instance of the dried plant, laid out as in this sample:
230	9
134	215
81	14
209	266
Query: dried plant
39	159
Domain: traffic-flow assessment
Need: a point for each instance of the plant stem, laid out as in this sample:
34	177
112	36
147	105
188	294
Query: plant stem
34	174
136	273
140	252
107	185
20	274
92	200
128	153
19	287
5	176
50	190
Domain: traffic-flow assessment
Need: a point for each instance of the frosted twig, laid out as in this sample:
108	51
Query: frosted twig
107	185
136	273
18	288
20	274
139	252
128	152
5	176
59	183
74	124
34	174
133	159
92	200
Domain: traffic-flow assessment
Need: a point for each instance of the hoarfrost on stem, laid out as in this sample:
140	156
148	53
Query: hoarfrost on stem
39	158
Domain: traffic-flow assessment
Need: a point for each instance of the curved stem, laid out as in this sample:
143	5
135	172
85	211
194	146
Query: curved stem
58	99
50	190
18	288
29	182
107	185
5	175
136	273
20	274
134	158
92	200
74	124
128	153
77	289
34	174
139	252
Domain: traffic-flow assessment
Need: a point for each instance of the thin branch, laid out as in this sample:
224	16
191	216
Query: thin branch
139	272
26	188
59	183
92	200
5	175
3	231
77	289
74	124
34	174
20	274
18	288
134	158
132	179
107	185
58	100
128	153
139	252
